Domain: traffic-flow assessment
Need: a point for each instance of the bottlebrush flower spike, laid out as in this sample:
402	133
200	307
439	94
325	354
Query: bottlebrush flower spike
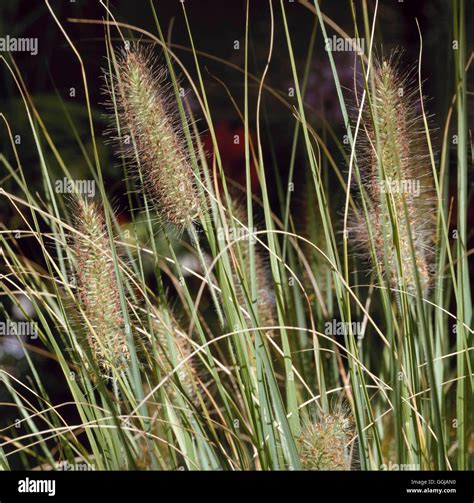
151	138
98	292
325	443
395	161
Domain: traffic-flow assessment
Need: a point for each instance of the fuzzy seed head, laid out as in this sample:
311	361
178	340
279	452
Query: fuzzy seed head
395	136
150	137
98	293
324	444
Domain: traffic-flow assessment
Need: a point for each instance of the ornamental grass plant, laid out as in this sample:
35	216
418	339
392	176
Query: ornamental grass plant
312	311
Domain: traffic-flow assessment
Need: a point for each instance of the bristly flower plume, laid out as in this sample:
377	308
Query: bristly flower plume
325	444
150	137
398	180
98	292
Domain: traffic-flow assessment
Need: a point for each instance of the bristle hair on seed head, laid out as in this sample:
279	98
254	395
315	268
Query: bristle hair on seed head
98	294
150	136
393	156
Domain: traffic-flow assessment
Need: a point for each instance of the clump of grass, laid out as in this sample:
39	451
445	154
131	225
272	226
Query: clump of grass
98	292
324	444
398	180
399	367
